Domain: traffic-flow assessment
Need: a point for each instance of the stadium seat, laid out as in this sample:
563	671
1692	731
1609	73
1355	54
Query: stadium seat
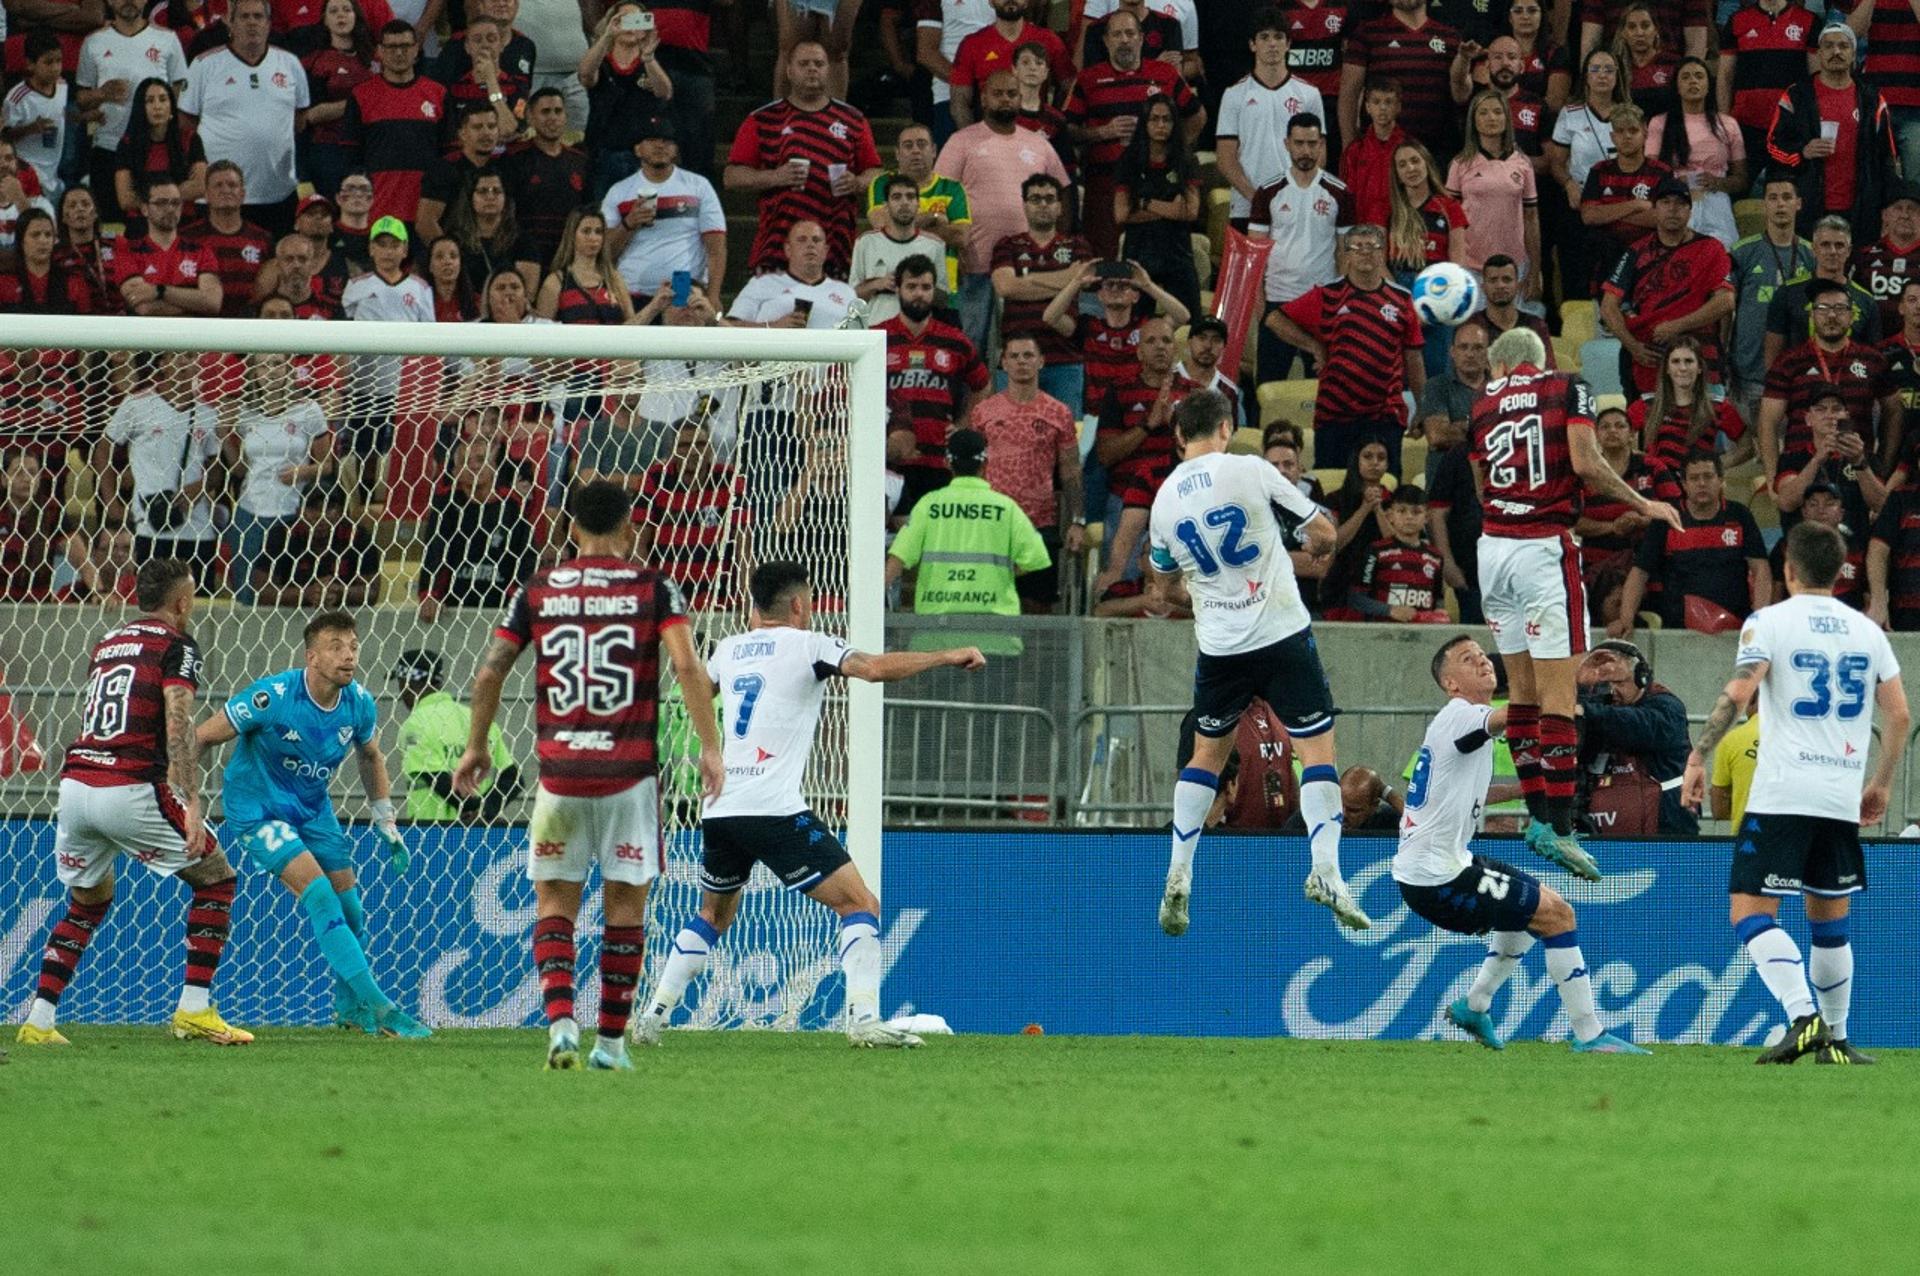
1600	365
1601	402
1749	216
397	577
1246	440
1566	354
1292	400
1203	258
1413	461
1219	203
1579	322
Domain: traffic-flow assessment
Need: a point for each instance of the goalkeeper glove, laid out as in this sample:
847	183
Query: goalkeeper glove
389	830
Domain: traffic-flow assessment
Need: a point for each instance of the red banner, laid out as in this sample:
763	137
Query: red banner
1239	297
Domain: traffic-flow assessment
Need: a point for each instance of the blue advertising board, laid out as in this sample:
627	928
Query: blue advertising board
997	930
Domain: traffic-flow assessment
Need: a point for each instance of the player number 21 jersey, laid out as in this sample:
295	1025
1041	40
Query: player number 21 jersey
773	684
1217	518
1518	436
1825	662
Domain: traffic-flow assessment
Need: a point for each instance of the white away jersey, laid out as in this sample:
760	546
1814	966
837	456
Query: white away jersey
772	683
1217	518
1825	663
1445	796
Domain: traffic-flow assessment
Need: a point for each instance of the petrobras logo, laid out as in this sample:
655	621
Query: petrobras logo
306	770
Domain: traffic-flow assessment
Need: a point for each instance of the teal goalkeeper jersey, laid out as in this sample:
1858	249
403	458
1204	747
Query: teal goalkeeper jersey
289	748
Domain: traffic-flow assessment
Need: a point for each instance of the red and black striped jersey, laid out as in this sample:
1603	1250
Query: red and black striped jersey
594	625
1159	34
1529	113
692	516
1656	283
1441	215
1850	586
1518	436
1898	528
1706	556
1129	406
1651	480
238	258
1367	333
1859	370
123	727
61	291
833	134
545	189
1770	54
1394	574
1112	356
179	264
1025	255
331	75
1540	65
578	303
1315	35
1674	437
1893	54
1608	183
931	375
1419	58
1884	269
398	129
1103	93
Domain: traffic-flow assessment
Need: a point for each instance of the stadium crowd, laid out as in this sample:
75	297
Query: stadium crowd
1705	212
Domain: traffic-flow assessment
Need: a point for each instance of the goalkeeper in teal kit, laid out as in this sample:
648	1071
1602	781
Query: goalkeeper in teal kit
294	730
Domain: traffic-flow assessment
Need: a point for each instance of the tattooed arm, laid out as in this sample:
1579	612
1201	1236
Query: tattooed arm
1734	697
183	764
487	683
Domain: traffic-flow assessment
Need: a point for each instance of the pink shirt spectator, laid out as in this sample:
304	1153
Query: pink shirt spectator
1496	194
991	166
1024	441
1707	155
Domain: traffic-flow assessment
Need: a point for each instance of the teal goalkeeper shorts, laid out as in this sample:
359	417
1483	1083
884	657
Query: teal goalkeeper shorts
270	845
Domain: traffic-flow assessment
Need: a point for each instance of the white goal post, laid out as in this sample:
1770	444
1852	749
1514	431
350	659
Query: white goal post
762	381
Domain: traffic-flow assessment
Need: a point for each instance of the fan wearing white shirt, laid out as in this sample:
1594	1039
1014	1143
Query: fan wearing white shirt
1820	669
249	100
878	252
284	446
801	296
391	292
773	681
1252	134
113	60
35	116
169	441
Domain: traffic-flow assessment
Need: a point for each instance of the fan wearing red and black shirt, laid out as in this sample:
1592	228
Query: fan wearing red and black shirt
1716	553
396	120
1822	503
1681	417
1533	451
809	157
1366	342
131	784
991	48
1675	281
1609	530
1763	53
1107	104
488	65
1316	34
692	515
1399	576
1886	266
1684	26
1416	52
1857	376
1029	270
546	178
931	368
239	247
163	272
1618	193
1110	340
597	623
1893	564
1136	443
477	131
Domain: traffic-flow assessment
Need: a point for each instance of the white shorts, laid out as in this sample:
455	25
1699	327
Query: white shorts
1533	597
95	825
618	831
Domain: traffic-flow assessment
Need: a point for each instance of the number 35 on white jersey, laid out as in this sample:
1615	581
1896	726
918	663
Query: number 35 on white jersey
773	683
1214	520
1825	664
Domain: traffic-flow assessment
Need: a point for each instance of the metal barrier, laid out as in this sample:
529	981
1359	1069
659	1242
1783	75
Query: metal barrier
951	762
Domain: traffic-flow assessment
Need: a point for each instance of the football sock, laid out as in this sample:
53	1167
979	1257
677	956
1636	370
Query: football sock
65	946
860	963
1320	808
1505	948
623	949
355	912
1830	967
1523	741
689	957
338	944
1569	971
209	919
1777	958
553	957
1559	764
1193	795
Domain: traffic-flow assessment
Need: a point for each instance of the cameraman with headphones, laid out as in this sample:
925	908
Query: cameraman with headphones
1633	746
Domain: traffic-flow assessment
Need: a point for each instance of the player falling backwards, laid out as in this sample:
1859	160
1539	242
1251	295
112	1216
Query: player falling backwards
1219	524
1533	451
597	624
1470	894
773	680
131	785
293	730
1820	668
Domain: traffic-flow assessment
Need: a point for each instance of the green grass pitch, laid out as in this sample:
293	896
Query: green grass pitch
321	1151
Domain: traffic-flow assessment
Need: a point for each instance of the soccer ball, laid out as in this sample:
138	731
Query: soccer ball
1445	294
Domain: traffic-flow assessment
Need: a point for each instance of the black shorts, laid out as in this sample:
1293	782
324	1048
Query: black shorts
797	849
1286	675
1488	895
1788	854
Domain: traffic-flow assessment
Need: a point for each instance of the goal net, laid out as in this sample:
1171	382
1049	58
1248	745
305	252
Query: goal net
414	473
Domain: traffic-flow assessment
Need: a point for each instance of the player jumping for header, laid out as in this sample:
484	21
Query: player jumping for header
1470	894
293	731
1219	527
1533	449
597	623
1820	668
773	680
131	785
